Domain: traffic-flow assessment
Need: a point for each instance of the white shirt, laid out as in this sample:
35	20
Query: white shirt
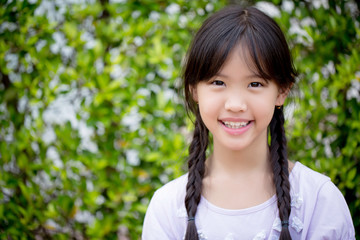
318	211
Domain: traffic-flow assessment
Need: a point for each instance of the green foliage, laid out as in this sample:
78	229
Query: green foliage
92	122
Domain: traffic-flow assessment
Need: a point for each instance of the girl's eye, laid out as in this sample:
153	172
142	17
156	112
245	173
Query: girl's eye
217	83
255	84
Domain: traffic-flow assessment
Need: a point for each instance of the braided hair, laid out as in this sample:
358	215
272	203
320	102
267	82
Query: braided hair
196	165
280	169
270	58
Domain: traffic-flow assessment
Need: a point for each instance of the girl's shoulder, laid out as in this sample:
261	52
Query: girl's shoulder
172	192
306	177
318	208
166	214
175	186
312	186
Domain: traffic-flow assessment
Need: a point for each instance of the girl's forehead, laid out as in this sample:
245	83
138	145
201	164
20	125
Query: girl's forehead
239	59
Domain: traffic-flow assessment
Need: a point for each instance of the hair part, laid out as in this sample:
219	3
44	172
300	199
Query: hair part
268	56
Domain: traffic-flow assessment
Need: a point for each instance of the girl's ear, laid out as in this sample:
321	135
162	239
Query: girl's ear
282	96
193	91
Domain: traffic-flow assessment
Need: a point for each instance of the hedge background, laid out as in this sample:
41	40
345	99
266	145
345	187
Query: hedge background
92	121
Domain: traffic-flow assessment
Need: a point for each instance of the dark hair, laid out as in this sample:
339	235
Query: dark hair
270	58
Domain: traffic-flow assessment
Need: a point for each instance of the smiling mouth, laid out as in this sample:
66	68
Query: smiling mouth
235	125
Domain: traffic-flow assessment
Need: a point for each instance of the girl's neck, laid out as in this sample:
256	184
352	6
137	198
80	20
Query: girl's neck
235	163
238	179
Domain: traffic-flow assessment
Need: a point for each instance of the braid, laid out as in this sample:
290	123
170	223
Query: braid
196	165
280	168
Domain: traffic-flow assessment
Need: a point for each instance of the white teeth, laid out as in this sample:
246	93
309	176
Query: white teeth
235	124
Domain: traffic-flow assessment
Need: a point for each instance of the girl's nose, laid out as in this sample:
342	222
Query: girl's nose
235	103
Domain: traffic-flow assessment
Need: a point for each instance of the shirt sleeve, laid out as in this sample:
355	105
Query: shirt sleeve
157	222
331	218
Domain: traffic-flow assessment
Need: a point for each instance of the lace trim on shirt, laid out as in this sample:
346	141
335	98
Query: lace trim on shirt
260	236
296	202
201	235
277	225
297	224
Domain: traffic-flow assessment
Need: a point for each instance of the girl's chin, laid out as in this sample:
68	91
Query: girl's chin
235	147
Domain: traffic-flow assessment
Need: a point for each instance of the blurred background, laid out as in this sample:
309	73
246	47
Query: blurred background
92	119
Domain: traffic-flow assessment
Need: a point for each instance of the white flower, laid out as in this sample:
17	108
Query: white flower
296	201
201	235
260	236
277	225
297	224
172	9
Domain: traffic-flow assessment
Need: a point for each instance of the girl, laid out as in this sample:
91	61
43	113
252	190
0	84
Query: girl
237	76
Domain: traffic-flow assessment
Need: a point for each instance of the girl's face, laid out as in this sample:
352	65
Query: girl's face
236	105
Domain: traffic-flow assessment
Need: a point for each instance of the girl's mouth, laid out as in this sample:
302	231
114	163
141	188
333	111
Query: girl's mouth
235	125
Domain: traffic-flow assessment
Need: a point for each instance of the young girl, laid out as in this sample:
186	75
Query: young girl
237	76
